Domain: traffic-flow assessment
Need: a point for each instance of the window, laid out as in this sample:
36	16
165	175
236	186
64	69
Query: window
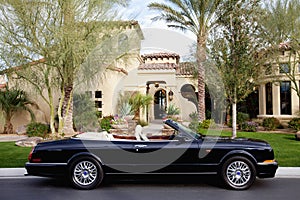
98	94
269	99
98	104
285	98
284	68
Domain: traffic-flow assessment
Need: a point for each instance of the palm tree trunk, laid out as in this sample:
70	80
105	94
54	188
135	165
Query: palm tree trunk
67	111
201	57
8	127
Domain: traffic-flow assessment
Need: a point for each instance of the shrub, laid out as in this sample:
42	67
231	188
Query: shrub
295	124
36	129
208	123
240	119
194	116
249	126
270	123
105	123
194	125
173	110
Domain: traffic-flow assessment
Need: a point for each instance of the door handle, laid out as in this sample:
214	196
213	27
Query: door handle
140	145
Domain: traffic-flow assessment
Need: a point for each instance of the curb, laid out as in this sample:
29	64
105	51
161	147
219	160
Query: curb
282	172
288	172
12	172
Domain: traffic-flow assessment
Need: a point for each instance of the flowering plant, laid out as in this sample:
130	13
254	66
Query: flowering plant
118	120
249	126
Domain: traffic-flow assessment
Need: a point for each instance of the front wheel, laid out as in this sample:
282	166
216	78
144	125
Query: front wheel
238	173
85	173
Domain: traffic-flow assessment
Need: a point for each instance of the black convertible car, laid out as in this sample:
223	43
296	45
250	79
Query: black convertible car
86	159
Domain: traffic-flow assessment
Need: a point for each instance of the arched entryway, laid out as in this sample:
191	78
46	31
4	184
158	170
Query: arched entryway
160	104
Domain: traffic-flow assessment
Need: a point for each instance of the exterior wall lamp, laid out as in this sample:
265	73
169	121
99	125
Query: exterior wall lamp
171	95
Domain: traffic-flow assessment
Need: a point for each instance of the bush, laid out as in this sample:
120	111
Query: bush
173	110
240	119
194	125
208	123
36	129
249	126
105	122
295	124
270	123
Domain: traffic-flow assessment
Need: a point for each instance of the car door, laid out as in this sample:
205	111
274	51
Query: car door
166	156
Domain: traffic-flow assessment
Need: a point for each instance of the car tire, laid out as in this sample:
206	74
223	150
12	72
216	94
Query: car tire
85	173
238	173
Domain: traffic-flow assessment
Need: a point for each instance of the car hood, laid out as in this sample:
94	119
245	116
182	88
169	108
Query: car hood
240	141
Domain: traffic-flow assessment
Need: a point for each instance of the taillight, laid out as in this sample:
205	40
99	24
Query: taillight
30	154
33	159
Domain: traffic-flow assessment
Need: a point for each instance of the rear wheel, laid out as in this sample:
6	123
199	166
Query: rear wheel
85	173
238	173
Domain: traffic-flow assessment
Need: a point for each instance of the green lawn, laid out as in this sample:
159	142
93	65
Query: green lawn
286	148
12	155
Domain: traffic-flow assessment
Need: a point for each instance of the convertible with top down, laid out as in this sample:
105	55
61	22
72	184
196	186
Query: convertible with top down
86	158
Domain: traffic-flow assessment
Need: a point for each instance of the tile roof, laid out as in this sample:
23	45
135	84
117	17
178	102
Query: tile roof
186	69
157	66
182	69
160	55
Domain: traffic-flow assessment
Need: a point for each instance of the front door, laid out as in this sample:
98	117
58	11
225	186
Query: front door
160	104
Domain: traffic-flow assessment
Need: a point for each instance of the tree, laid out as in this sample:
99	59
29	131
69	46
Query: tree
12	101
62	32
281	20
139	101
282	23
38	78
197	16
235	49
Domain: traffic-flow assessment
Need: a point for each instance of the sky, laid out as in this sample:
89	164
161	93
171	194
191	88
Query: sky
158	37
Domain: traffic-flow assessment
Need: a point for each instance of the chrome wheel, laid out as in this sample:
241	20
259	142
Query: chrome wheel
85	173
238	173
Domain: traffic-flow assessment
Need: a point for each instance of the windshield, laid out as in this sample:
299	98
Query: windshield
183	130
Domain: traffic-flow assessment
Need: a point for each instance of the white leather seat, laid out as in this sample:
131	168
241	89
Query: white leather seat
139	134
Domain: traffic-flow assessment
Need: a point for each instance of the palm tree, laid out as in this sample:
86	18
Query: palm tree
12	101
197	16
139	101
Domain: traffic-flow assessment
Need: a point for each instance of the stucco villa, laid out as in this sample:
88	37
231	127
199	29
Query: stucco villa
160	75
